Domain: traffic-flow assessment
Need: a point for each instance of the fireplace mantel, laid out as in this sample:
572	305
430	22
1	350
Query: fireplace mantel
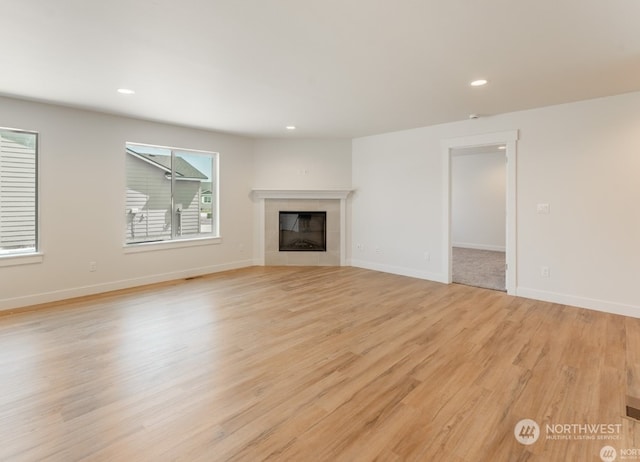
341	194
262	195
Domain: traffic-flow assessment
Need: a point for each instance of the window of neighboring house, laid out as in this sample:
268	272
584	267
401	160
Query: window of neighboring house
164	197
18	192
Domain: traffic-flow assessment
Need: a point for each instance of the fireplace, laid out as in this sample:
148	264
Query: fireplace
302	231
270	202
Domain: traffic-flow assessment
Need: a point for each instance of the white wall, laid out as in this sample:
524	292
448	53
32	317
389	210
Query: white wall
581	158
302	164
478	200
299	164
82	190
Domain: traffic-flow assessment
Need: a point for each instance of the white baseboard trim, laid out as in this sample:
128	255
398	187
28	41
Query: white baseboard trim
580	302
545	296
553	297
257	262
469	245
64	294
402	271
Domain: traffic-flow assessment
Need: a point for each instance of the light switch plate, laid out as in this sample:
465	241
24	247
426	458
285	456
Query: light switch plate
543	209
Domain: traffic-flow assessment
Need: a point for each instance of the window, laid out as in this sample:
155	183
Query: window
166	191
18	192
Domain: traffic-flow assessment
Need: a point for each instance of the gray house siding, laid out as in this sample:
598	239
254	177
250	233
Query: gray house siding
17	195
148	203
188	200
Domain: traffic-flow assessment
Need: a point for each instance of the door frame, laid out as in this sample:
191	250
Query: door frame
509	139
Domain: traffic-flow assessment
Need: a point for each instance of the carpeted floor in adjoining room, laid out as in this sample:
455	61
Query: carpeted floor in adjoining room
479	268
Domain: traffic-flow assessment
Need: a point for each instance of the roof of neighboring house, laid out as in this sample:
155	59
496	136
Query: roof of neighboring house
8	139
206	188
184	170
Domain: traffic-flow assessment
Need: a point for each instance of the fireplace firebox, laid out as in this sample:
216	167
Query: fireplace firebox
303	231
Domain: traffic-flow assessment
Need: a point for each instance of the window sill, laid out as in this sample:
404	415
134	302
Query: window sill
172	244
24	259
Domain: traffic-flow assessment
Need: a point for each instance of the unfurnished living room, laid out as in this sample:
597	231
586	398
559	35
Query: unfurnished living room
301	231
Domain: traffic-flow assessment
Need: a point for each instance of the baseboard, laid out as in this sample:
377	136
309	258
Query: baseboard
468	245
57	295
400	270
580	302
545	296
553	297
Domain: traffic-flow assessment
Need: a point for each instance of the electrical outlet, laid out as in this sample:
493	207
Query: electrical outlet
360	247
93	266
427	256
544	271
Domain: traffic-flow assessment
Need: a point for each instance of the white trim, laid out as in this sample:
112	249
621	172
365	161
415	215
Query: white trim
259	233
509	139
177	243
24	259
341	194
343	230
580	302
174	148
57	295
37	254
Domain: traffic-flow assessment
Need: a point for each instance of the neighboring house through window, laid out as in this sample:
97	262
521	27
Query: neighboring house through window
166	188
18	192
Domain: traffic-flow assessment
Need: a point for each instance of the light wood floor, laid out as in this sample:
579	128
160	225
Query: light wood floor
310	364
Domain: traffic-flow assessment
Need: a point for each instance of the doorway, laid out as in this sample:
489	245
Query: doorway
478	211
508	139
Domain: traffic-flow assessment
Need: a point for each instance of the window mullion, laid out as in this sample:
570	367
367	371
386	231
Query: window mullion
174	228
191	216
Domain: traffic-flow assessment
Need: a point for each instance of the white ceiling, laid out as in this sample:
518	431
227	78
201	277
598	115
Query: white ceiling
333	68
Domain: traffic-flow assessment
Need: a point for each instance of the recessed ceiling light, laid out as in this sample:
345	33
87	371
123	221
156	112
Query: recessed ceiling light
502	148
290	127
125	91
478	83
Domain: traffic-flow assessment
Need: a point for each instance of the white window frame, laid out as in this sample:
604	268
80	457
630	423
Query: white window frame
175	240
32	254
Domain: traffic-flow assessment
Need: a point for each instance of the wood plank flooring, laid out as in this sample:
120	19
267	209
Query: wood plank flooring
313	364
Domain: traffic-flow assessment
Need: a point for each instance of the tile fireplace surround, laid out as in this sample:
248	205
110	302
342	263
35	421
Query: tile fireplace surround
271	201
